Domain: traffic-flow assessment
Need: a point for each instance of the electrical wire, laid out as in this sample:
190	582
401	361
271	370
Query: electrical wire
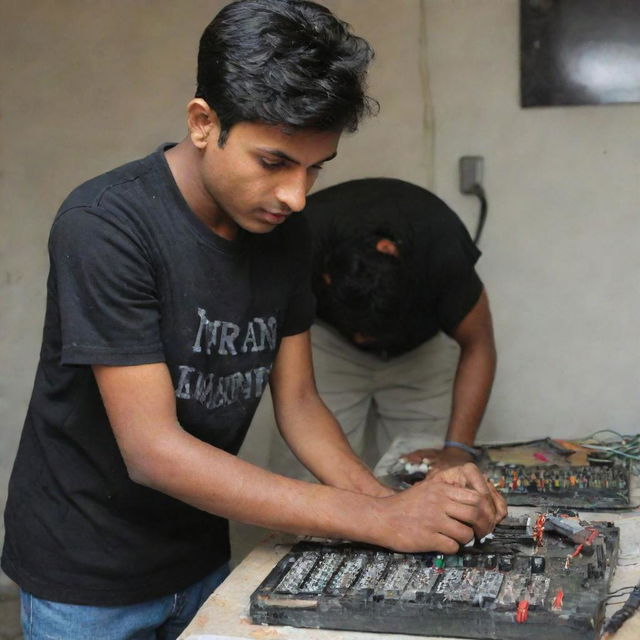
630	606
625	447
616	593
479	192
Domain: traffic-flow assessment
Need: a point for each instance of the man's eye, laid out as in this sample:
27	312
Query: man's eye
271	164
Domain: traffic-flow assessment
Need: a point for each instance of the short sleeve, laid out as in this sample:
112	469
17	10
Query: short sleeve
301	307
458	285
106	291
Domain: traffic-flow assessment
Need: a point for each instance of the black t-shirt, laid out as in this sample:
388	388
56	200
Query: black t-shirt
431	238
137	278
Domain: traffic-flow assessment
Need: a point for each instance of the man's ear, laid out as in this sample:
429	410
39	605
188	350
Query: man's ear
384	245
326	277
203	123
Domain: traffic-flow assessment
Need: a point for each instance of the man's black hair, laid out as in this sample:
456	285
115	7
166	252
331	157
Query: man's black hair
369	292
283	62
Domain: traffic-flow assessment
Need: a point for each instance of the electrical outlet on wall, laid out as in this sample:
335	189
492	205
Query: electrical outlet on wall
471	170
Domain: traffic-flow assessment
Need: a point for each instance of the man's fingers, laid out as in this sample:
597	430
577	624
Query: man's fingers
483	526
482	516
451	475
475	478
454	526
485	487
464	513
499	502
444	544
479	517
462	494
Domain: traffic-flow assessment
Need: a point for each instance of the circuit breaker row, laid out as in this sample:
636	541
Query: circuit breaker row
546	479
384	576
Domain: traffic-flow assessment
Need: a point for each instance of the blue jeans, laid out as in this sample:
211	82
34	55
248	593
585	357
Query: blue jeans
160	619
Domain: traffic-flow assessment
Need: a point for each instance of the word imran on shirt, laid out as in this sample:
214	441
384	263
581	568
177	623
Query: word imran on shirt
226	338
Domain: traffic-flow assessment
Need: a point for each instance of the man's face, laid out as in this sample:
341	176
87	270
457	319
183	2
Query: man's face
262	174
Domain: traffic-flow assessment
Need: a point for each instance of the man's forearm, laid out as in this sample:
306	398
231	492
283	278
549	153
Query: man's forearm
158	453
471	391
215	481
323	448
308	427
474	376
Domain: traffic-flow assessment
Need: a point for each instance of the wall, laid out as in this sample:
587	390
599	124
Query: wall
89	85
561	259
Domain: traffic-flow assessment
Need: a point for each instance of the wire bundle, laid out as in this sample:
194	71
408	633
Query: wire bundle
622	615
617	445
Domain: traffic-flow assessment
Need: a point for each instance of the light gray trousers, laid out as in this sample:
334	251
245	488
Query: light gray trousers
375	400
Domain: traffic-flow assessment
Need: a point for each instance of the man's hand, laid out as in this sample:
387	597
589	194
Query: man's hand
433	516
494	506
440	459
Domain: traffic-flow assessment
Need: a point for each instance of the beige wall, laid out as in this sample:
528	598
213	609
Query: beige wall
88	84
561	259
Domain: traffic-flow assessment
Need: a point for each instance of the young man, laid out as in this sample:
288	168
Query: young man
403	341
179	288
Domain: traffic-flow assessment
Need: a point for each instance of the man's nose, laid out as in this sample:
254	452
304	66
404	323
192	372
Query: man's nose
292	191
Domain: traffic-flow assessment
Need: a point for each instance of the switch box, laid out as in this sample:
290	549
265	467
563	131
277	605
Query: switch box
471	170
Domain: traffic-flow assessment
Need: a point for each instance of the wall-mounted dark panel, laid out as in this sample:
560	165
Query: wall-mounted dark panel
576	52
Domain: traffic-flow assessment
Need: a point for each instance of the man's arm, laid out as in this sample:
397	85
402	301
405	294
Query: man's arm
317	439
158	453
309	428
475	372
472	385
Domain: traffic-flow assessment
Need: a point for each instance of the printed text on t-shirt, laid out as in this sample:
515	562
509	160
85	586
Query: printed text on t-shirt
227	339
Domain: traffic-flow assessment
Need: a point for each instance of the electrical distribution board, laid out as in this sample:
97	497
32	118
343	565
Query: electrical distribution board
542	576
542	473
